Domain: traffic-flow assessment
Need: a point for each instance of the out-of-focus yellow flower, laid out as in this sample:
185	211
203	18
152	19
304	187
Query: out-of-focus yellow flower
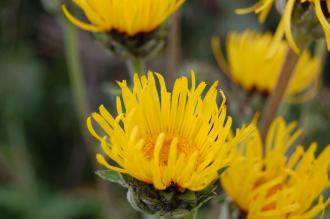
250	65
167	138
262	7
275	184
124	16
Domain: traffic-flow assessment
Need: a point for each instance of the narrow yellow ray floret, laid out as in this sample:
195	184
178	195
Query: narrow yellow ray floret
262	7
125	16
282	183
250	66
167	138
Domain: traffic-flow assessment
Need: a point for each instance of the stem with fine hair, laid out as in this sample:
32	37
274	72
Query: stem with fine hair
275	99
192	214
76	76
135	65
81	103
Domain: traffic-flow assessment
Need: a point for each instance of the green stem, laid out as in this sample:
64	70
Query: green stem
136	65
77	81
81	104
191	215
75	72
194	214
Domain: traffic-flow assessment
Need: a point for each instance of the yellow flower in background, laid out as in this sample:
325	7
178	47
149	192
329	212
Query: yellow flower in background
263	7
124	16
250	65
167	138
278	185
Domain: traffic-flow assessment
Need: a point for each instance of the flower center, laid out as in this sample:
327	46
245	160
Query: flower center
183	146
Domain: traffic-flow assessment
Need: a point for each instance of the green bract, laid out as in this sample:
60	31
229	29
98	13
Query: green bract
170	202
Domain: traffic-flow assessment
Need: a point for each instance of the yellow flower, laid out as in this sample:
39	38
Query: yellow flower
124	16
167	138
262	7
250	65
276	185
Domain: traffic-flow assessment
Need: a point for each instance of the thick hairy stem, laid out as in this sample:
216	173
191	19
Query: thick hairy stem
76	76
275	99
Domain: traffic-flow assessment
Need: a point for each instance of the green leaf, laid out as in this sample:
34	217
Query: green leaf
205	195
207	191
203	201
112	176
188	196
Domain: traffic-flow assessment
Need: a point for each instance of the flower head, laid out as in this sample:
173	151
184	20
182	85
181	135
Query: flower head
167	138
321	10
124	16
266	182
250	65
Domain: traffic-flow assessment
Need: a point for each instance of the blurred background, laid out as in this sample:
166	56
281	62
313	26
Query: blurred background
47	161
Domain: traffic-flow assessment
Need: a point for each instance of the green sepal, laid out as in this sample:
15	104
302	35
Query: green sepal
205	195
127	179
141	45
112	176
170	202
136	202
152	203
189	197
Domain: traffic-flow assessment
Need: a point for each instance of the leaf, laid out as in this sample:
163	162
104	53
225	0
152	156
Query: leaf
112	176
188	196
204	200
136	203
129	181
206	194
207	191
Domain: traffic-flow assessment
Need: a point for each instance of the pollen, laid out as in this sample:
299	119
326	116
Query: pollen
183	146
